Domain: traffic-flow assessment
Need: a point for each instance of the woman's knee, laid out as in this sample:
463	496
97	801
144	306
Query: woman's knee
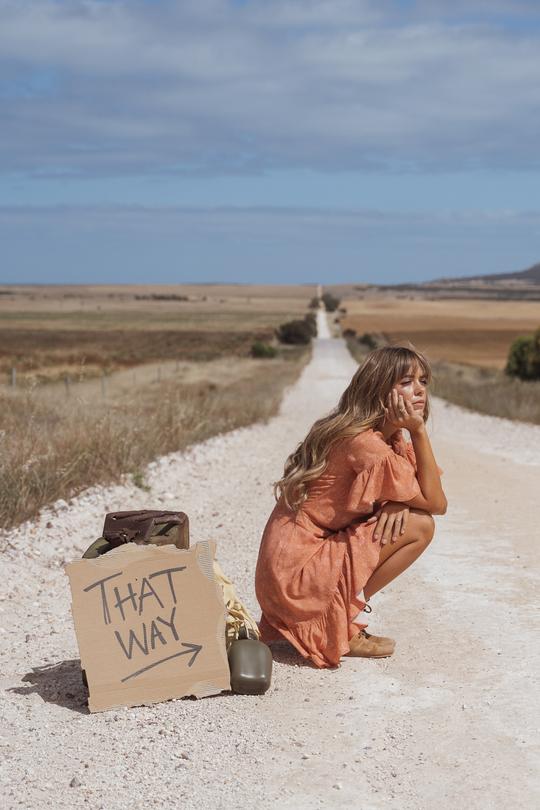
419	532
423	525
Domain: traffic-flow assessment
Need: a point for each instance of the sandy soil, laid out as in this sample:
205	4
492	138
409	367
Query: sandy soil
447	721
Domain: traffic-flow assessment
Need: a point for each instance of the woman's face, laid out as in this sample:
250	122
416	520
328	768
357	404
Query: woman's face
413	386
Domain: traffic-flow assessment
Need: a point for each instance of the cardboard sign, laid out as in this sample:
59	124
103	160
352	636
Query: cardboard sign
150	624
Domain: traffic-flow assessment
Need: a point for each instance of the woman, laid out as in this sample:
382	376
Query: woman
354	510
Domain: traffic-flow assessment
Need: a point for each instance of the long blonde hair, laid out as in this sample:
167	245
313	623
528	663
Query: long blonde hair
361	406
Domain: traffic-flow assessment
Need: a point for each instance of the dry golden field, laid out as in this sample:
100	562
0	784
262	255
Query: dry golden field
472	332
55	446
210	307
172	372
52	332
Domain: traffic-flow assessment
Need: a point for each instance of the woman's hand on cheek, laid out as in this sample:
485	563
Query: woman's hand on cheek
401	413
391	521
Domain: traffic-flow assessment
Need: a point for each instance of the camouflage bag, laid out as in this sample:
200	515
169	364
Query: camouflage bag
144	527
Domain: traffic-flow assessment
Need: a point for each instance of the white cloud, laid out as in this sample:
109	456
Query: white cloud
209	86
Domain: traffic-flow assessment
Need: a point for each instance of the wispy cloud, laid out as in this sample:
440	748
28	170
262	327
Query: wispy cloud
305	216
95	88
171	244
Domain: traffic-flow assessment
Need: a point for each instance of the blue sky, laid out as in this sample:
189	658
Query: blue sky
285	140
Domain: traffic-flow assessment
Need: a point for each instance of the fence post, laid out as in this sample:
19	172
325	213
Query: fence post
13	376
66	383
103	386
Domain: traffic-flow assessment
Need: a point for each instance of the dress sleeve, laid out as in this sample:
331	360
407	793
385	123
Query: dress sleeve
412	457
383	475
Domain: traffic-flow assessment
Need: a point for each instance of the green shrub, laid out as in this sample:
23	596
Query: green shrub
311	321
331	303
349	333
314	303
524	357
368	340
139	481
295	332
534	359
264	350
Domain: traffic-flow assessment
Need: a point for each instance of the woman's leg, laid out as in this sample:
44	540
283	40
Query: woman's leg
395	557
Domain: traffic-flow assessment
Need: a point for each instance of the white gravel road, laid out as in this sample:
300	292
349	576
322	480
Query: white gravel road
447	722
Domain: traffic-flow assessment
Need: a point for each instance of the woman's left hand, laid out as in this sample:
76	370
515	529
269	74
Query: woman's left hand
391	520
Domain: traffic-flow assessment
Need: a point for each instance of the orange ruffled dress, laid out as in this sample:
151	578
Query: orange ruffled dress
313	563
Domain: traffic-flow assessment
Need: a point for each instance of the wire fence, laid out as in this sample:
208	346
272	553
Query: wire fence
102	385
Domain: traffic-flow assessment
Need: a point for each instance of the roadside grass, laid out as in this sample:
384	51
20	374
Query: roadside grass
51	449
485	390
488	391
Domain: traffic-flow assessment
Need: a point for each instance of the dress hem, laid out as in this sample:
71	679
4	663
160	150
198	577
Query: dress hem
269	630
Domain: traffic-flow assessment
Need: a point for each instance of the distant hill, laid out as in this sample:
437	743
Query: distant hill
529	276
523	285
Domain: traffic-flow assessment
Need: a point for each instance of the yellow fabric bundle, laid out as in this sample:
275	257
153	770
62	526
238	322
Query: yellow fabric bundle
237	613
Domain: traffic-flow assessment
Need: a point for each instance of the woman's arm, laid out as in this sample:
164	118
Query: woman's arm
401	413
432	498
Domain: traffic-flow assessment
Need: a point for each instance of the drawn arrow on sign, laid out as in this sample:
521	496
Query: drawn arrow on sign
192	648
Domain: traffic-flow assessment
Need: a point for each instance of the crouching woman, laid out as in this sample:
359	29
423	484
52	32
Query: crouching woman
354	510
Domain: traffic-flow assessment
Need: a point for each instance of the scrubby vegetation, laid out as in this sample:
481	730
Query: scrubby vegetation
369	341
488	391
53	447
331	303
524	357
162	297
263	350
311	320
360	344
298	332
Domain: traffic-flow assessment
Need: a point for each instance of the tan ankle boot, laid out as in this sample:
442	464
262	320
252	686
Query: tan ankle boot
364	645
